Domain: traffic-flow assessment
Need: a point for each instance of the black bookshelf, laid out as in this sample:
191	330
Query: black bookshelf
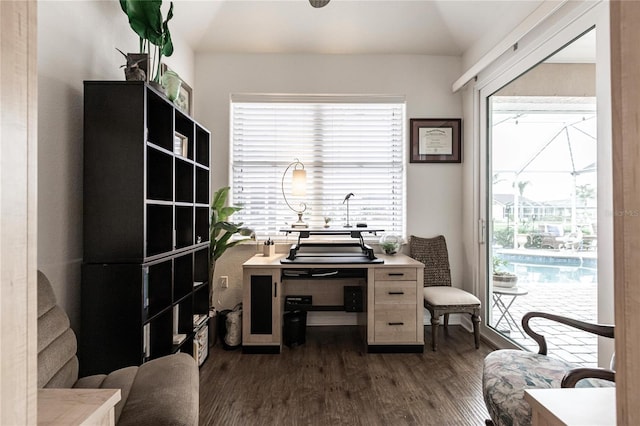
146	226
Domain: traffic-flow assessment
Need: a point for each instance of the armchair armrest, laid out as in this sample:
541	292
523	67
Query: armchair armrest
600	330
574	376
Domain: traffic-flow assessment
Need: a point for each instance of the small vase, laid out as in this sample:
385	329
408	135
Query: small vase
171	83
390	243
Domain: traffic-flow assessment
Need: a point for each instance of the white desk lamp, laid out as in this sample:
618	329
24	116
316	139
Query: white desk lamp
299	188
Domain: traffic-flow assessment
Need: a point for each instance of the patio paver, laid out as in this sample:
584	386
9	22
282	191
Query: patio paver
575	299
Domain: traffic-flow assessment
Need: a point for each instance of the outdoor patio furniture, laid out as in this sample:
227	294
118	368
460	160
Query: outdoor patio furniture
571	241
503	303
508	373
589	243
440	298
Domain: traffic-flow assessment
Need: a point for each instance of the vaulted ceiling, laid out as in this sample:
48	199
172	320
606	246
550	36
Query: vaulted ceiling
437	27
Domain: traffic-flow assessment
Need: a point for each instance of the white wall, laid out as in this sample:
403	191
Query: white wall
434	191
76	42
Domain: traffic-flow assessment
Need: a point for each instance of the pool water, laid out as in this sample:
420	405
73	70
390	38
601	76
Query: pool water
550	274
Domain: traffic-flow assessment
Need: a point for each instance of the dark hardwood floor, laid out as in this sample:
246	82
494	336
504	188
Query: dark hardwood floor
330	380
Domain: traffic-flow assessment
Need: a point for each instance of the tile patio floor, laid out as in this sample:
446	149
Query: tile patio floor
575	298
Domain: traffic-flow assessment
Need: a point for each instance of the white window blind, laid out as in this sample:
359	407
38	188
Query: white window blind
347	145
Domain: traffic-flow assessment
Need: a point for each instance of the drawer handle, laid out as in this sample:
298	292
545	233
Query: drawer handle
396	274
396	323
396	292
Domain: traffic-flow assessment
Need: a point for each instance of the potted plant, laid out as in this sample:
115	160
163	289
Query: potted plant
135	69
390	243
220	232
501	277
145	18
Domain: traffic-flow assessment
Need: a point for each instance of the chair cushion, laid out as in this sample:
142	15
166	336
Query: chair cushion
448	296
120	379
508	373
164	392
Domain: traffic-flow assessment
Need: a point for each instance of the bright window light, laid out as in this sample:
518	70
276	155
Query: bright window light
348	144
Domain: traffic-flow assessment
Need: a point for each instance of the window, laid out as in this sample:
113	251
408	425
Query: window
347	144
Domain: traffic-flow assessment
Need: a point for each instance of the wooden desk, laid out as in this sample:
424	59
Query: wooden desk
572	407
66	407
392	295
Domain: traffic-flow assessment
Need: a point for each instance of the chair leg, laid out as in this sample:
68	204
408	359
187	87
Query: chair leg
435	322
475	318
446	324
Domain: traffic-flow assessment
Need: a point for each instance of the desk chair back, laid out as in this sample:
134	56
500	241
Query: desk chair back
434	254
440	298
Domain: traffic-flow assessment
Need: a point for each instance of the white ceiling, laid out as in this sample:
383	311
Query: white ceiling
435	27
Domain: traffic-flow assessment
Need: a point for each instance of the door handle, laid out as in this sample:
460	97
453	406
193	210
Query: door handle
396	323
396	292
275	289
396	274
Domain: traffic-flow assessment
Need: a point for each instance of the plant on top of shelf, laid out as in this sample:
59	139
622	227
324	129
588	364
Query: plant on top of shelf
145	18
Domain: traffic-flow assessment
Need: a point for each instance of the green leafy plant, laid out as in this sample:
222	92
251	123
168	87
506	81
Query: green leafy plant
145	18
221	229
498	265
389	247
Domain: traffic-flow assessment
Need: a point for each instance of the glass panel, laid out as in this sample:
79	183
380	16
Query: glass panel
346	148
543	180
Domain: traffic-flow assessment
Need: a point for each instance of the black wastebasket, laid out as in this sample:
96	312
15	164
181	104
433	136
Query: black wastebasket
295	326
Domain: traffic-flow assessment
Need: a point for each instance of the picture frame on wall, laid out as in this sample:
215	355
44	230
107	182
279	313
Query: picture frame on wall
436	140
184	101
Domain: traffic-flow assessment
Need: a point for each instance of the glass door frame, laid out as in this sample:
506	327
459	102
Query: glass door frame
533	49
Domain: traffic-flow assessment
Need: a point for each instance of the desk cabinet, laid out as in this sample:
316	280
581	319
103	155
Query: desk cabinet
261	321
396	315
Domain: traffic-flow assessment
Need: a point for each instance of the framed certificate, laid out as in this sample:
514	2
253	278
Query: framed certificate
436	140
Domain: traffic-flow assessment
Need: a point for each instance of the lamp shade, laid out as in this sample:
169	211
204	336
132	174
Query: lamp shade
299	182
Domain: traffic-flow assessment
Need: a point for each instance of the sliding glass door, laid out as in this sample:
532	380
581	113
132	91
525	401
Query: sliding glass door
542	186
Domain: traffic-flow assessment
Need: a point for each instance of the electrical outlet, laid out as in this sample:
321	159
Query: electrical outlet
224	281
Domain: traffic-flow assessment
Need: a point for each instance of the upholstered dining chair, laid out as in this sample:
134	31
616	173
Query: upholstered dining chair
440	298
507	373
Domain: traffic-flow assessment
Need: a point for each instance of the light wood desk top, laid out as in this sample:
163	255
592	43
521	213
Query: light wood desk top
61	407
390	261
572	407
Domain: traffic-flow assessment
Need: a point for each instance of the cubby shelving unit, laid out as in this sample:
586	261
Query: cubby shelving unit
146	227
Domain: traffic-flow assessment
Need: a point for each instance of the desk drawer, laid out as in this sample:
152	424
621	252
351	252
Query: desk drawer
393	324
395	274
403	292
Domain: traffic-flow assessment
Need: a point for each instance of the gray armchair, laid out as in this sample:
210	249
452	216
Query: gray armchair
163	391
508	373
